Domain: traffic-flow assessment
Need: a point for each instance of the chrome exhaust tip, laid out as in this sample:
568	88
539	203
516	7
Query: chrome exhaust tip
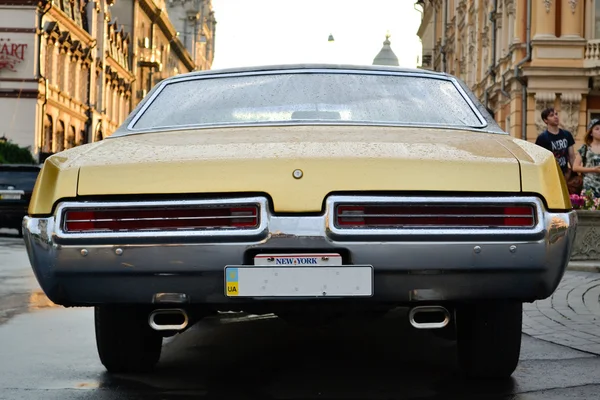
168	319
429	317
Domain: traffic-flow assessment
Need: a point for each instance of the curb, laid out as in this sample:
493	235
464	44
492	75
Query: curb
584	266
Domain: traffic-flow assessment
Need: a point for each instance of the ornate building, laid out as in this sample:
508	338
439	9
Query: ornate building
111	81
195	21
157	49
72	70
519	56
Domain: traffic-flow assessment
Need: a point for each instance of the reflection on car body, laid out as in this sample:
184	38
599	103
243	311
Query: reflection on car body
302	190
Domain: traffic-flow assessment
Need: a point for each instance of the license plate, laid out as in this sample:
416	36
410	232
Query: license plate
10	196
300	260
298	281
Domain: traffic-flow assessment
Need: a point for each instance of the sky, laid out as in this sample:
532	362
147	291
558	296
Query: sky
263	32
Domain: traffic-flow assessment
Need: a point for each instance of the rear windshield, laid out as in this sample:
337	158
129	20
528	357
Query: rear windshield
301	97
20	178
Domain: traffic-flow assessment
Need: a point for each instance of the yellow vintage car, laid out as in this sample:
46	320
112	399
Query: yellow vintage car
308	191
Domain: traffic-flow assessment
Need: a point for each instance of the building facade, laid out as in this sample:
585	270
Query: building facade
72	70
195	21
519	57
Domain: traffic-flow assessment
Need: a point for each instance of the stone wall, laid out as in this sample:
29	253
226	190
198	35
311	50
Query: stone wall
587	239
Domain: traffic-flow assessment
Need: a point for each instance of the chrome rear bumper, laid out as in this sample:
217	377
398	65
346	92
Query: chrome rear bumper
445	265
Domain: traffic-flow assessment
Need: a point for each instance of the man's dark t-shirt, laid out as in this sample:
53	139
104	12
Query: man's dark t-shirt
559	145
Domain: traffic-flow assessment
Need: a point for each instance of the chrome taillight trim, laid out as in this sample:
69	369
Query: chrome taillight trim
456	217
260	202
336	200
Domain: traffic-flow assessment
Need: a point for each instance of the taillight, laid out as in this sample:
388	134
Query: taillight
411	216
162	219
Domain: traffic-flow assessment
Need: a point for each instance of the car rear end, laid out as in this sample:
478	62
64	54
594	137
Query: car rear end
306	218
225	253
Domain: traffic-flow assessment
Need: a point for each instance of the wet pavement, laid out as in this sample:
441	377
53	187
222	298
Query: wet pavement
49	353
17	281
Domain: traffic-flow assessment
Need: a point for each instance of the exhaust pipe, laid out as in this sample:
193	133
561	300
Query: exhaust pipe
168	319
429	317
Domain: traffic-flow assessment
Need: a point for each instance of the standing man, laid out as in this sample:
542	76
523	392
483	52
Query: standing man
558	141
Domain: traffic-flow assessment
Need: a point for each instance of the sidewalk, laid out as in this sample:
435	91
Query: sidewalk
571	316
586	266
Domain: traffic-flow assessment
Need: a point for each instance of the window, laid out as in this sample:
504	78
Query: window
60	137
48	132
49	63
83	84
71	137
115	106
77	13
597	20
121	57
21	177
73	71
60	82
99	134
67	8
81	138
593	114
292	97
108	101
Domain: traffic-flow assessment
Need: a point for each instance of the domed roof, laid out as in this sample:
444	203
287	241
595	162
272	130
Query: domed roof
386	55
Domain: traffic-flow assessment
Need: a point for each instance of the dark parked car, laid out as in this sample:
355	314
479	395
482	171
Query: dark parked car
16	185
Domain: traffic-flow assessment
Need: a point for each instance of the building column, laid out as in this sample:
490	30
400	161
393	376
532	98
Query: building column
512	31
545	19
571	19
570	103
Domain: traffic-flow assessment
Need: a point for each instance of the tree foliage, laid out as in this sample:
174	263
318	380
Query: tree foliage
11	153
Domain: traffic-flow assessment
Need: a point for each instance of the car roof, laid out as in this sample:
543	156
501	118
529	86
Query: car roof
309	66
32	166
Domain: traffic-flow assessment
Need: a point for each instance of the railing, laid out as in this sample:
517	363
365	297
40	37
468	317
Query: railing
592	54
150	58
427	61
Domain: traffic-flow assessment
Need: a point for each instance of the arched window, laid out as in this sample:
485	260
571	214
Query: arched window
81	138
47	136
60	137
71	137
99	134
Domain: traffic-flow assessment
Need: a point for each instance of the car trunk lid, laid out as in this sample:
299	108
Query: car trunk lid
330	158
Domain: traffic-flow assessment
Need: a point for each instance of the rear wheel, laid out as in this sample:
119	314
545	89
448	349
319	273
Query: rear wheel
125	341
489	338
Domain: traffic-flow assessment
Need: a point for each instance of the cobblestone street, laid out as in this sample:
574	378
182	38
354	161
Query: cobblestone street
571	316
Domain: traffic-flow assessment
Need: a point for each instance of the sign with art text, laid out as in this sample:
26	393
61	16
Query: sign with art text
11	54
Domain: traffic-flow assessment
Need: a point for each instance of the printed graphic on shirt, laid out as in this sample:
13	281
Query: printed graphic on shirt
559	148
559	145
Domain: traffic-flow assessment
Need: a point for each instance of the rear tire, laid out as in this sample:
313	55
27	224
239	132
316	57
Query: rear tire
489	338
125	341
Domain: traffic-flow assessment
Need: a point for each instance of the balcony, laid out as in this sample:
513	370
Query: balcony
150	58
427	61
592	54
